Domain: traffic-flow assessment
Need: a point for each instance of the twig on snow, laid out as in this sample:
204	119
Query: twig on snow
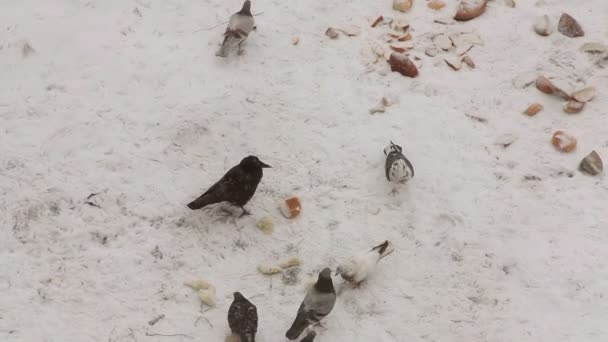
91	203
170	335
205	318
93	194
405	295
476	118
290	247
257	295
248	275
461	321
156	319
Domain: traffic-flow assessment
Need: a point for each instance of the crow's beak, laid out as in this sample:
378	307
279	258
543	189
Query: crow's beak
265	166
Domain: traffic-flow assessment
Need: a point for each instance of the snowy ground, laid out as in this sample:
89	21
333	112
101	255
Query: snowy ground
139	110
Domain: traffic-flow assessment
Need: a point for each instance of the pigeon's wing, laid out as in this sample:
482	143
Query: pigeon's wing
239	26
231	25
319	305
410	165
234	316
252	317
390	159
300	323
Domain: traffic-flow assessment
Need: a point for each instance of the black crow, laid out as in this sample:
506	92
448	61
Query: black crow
236	187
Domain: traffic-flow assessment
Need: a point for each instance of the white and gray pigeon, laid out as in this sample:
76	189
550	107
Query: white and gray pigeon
398	168
239	26
317	304
360	266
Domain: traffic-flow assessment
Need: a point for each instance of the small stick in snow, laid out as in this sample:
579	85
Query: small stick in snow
205	318
477	118
290	247
461	321
405	295
93	194
248	275
156	319
91	203
257	295
171	335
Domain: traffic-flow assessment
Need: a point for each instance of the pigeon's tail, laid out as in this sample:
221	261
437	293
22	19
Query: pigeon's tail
221	52
310	337
200	202
383	249
297	328
247	337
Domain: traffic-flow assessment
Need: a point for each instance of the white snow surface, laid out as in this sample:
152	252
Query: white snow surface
140	110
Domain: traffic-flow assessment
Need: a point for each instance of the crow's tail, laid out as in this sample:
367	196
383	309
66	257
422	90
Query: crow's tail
200	202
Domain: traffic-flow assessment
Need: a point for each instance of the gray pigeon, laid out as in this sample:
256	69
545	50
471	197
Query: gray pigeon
398	168
236	187
243	318
317	304
239	26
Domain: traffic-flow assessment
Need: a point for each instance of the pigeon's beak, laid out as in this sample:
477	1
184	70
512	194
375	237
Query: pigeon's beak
265	166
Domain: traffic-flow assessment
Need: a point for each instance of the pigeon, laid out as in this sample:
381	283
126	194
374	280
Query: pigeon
239	26
359	267
310	337
398	168
236	187
318	303
243	318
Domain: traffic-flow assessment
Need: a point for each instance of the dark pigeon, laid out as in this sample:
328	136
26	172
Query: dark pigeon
243	318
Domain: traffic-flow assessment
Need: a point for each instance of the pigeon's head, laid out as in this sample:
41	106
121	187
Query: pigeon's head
325	274
252	163
324	283
392	147
384	249
238	296
345	270
246	10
